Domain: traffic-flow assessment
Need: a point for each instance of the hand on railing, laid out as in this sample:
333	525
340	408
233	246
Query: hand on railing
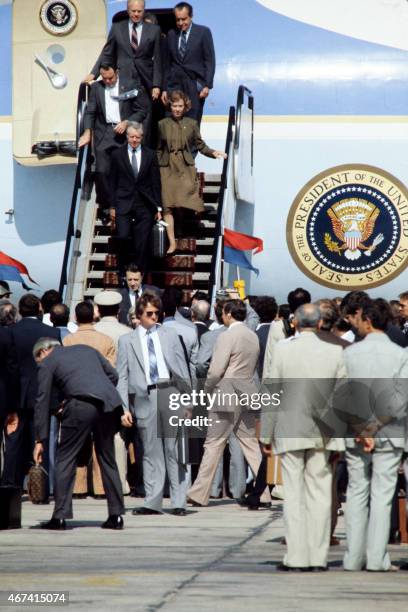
220	155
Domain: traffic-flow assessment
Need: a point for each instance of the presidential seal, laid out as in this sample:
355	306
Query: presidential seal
348	227
58	17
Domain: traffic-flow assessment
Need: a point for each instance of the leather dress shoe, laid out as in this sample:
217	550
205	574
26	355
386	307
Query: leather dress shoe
287	568
404	567
179	512
144	510
194	503
318	568
395	537
114	521
55	524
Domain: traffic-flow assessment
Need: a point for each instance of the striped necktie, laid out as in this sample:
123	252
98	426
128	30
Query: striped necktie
183	45
153	369
134	43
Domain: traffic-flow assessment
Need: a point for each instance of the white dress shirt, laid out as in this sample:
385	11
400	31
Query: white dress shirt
138	155
161	364
111	105
139	29
135	295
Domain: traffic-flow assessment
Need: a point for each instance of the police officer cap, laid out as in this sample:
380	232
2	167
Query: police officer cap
108	298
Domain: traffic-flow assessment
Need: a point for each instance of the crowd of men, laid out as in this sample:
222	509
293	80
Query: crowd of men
130	85
161	395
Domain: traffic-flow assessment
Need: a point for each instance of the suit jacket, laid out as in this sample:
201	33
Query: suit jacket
9	384
190	340
262	332
89	336
304	372
198	63
95	114
76	371
132	384
380	368
141	68
201	330
126	304
233	366
205	352
128	191
191	140
24	335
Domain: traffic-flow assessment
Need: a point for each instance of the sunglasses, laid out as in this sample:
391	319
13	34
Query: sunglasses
151	313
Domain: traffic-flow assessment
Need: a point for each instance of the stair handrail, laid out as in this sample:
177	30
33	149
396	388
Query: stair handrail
83	155
218	233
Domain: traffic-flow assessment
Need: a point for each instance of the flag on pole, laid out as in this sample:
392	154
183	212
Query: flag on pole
12	269
235	244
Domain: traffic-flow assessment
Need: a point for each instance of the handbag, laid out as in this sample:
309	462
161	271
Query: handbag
159	240
37	486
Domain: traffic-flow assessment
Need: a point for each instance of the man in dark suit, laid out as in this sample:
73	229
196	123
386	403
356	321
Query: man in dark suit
133	291
266	308
135	189
24	334
8	383
135	47
106	119
190	65
86	383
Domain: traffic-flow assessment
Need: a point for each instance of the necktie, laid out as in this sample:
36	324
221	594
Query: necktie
183	45
153	369
133	40
134	163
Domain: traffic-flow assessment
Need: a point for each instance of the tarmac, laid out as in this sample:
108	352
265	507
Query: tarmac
222	557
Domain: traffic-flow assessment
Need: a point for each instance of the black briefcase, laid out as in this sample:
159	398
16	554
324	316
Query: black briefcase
10	507
159	241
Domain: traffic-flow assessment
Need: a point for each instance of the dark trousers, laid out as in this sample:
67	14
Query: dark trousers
137	225
18	451
79	418
103	153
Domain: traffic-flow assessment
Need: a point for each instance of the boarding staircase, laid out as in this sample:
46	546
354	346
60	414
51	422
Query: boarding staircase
91	253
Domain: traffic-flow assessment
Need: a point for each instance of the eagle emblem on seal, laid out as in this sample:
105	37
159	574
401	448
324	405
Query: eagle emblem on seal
353	222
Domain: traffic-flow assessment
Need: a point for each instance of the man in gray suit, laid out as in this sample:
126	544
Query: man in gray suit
379	370
152	366
306	369
86	383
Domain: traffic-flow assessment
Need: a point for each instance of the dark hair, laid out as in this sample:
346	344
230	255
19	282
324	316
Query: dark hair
50	298
297	298
150	18
171	300
59	315
147	298
266	308
182	5
284	311
108	311
342	325
84	312
403	295
8	313
29	305
132	267
353	301
378	312
107	66
236	308
200	295
5	285
218	309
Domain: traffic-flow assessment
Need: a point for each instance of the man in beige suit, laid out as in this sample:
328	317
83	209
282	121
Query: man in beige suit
232	380
306	369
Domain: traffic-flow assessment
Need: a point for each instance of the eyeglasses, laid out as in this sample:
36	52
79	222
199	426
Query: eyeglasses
151	313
